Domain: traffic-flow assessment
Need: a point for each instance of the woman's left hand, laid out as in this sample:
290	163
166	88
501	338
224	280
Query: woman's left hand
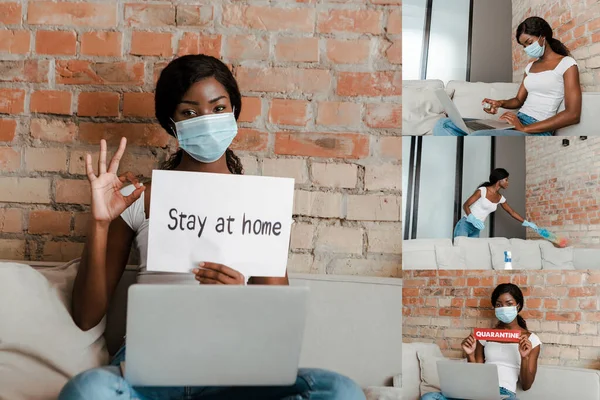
525	346
217	274
512	119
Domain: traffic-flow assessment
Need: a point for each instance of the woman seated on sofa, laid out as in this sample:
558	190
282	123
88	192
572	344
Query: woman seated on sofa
548	81
194	86
485	201
516	362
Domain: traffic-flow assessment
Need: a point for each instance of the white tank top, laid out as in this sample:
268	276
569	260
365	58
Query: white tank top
135	217
545	90
484	207
507	358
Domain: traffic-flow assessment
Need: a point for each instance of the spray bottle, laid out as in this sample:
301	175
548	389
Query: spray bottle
507	260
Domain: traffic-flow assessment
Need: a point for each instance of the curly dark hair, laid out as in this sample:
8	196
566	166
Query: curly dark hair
537	26
176	79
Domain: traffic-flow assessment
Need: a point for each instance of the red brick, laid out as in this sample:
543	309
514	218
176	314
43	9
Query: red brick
10	159
106	44
394	53
391	147
193	43
8	128
138	105
12	101
353	21
286	80
551	304
190	15
247	47
11	220
586	291
10	13
137	134
251	109
565	316
47	221
79	72
24	190
394	26
250	140
30	71
336	145
387	2
63	43
51	102
348	51
290	49
151	44
73	191
53	130
45	159
150	15
62	251
98	104
12	249
14	41
288	112
72	14
388	83
334	113
81	224
269	18
588	304
384	115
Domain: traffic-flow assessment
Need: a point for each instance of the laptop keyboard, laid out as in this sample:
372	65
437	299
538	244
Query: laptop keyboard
477	126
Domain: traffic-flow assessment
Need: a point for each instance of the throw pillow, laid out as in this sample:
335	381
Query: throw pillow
450	257
39	342
526	254
556	258
430	381
421	110
497	252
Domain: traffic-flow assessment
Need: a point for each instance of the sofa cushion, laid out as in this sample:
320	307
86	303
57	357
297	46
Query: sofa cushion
50	356
450	257
590	104
525	254
555	258
420	253
477	250
586	258
411	371
421	110
553	382
469	95
430	381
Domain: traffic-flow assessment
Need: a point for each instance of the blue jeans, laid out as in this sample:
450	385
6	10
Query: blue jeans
445	127
106	383
465	228
439	396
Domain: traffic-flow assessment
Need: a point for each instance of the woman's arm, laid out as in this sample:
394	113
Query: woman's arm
529	368
269	280
571	115
474	197
512	212
102	263
518	100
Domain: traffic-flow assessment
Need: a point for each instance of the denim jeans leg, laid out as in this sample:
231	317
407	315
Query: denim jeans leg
99	384
445	127
434	396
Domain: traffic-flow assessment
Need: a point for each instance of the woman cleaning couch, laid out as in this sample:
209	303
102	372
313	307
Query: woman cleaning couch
196	88
516	362
485	201
553	78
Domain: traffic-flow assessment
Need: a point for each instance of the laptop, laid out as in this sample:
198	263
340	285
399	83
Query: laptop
469	381
214	335
468	126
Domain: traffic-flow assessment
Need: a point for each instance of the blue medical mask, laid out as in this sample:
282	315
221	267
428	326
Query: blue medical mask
206	138
506	314
535	50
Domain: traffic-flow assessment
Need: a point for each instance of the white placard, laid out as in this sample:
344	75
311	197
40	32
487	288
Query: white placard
243	222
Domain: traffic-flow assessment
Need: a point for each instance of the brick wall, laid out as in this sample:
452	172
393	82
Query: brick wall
563	188
576	23
561	307
321	86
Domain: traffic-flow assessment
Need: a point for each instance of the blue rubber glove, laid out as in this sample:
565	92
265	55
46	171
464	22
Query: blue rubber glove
530	225
477	223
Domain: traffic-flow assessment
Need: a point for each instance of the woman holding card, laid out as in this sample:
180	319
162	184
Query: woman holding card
485	201
197	101
516	362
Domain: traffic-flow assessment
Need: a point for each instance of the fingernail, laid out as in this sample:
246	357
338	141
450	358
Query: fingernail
195	270
201	264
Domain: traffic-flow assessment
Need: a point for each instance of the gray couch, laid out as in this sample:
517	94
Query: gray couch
353	326
487	253
550	382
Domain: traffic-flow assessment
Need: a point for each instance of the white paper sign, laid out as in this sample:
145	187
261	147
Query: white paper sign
243	222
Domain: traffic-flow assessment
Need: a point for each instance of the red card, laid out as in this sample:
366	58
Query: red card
497	335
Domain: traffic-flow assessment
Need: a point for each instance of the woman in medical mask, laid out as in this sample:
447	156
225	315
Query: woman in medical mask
550	80
516	362
197	100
